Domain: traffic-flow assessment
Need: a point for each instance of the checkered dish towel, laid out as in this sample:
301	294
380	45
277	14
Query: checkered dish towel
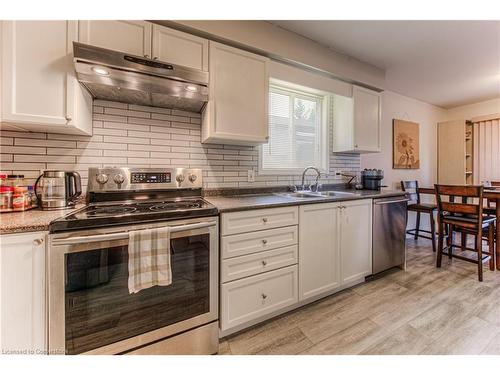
149	259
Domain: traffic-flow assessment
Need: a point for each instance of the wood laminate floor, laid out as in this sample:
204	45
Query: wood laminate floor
423	310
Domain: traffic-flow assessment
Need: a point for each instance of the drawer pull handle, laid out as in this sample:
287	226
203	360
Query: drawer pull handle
38	241
264	263
264	296
264	219
264	241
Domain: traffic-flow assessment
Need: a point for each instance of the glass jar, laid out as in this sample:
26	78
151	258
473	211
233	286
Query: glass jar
18	200
6	193
32	195
15	180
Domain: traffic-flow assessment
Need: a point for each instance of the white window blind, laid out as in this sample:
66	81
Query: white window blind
298	135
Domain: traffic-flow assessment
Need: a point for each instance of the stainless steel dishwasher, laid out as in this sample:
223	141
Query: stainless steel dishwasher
389	233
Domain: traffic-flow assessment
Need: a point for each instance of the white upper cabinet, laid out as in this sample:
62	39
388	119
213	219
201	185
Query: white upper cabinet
239	86
23	293
355	240
39	88
179	48
357	121
132	37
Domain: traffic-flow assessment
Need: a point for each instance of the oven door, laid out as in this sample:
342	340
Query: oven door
90	308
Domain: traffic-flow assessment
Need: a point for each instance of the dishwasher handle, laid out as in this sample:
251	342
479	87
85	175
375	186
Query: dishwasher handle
379	202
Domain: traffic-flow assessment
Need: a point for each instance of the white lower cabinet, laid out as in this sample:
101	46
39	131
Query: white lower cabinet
253	297
259	273
334	246
265	272
23	293
247	265
319	257
355	240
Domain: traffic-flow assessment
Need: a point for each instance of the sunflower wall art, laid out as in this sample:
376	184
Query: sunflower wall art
406	149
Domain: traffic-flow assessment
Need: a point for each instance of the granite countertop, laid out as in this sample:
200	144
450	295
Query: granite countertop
38	220
255	201
31	221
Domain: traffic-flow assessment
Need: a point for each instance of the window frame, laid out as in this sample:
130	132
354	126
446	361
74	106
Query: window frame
324	98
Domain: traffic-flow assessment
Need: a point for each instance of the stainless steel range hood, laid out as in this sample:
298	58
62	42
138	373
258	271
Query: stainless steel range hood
120	77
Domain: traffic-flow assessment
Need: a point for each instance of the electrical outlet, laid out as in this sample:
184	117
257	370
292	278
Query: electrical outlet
251	175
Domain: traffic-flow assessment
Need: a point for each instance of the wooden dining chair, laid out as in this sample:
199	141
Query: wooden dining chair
490	205
465	217
415	205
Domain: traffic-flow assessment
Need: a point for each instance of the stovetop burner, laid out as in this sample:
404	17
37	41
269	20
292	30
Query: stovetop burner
135	211
110	211
167	206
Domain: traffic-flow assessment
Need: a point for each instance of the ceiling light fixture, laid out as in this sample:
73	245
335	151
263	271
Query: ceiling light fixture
100	71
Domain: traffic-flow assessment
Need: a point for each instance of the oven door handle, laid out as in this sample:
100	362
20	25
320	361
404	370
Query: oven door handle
125	235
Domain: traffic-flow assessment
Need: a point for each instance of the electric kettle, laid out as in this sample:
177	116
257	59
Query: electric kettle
57	190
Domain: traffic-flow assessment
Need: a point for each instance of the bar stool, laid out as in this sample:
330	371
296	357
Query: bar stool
465	218
415	205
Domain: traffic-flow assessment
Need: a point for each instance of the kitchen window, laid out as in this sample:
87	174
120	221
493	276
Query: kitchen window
298	130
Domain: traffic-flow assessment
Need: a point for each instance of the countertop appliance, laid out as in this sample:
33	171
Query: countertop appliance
118	76
56	190
90	308
371	179
389	233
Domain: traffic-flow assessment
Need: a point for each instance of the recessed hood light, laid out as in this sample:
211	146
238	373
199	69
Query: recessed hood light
100	71
191	88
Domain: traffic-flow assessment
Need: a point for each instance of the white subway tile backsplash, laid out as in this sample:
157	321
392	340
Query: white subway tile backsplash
144	136
126	113
25	150
107	131
6	157
148	121
44	158
6	141
44	142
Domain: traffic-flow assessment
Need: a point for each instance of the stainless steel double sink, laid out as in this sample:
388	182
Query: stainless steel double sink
320	194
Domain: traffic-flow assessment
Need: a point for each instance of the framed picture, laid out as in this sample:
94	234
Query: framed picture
406	148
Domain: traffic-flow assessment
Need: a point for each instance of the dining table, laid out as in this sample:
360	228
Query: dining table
493	195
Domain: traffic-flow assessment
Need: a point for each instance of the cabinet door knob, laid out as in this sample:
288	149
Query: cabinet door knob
146	56
68	118
264	296
38	241
355	146
264	219
155	58
264	263
264	241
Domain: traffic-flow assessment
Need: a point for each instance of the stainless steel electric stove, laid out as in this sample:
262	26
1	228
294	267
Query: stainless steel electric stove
90	308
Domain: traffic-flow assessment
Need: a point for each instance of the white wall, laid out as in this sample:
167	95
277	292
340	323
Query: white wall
466	112
396	106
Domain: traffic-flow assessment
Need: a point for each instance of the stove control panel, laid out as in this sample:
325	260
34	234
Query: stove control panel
150	178
110	179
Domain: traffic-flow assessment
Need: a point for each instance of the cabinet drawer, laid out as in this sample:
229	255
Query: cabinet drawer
248	243
253	264
252	297
249	221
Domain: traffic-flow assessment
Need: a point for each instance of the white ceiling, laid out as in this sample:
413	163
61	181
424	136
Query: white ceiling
445	63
